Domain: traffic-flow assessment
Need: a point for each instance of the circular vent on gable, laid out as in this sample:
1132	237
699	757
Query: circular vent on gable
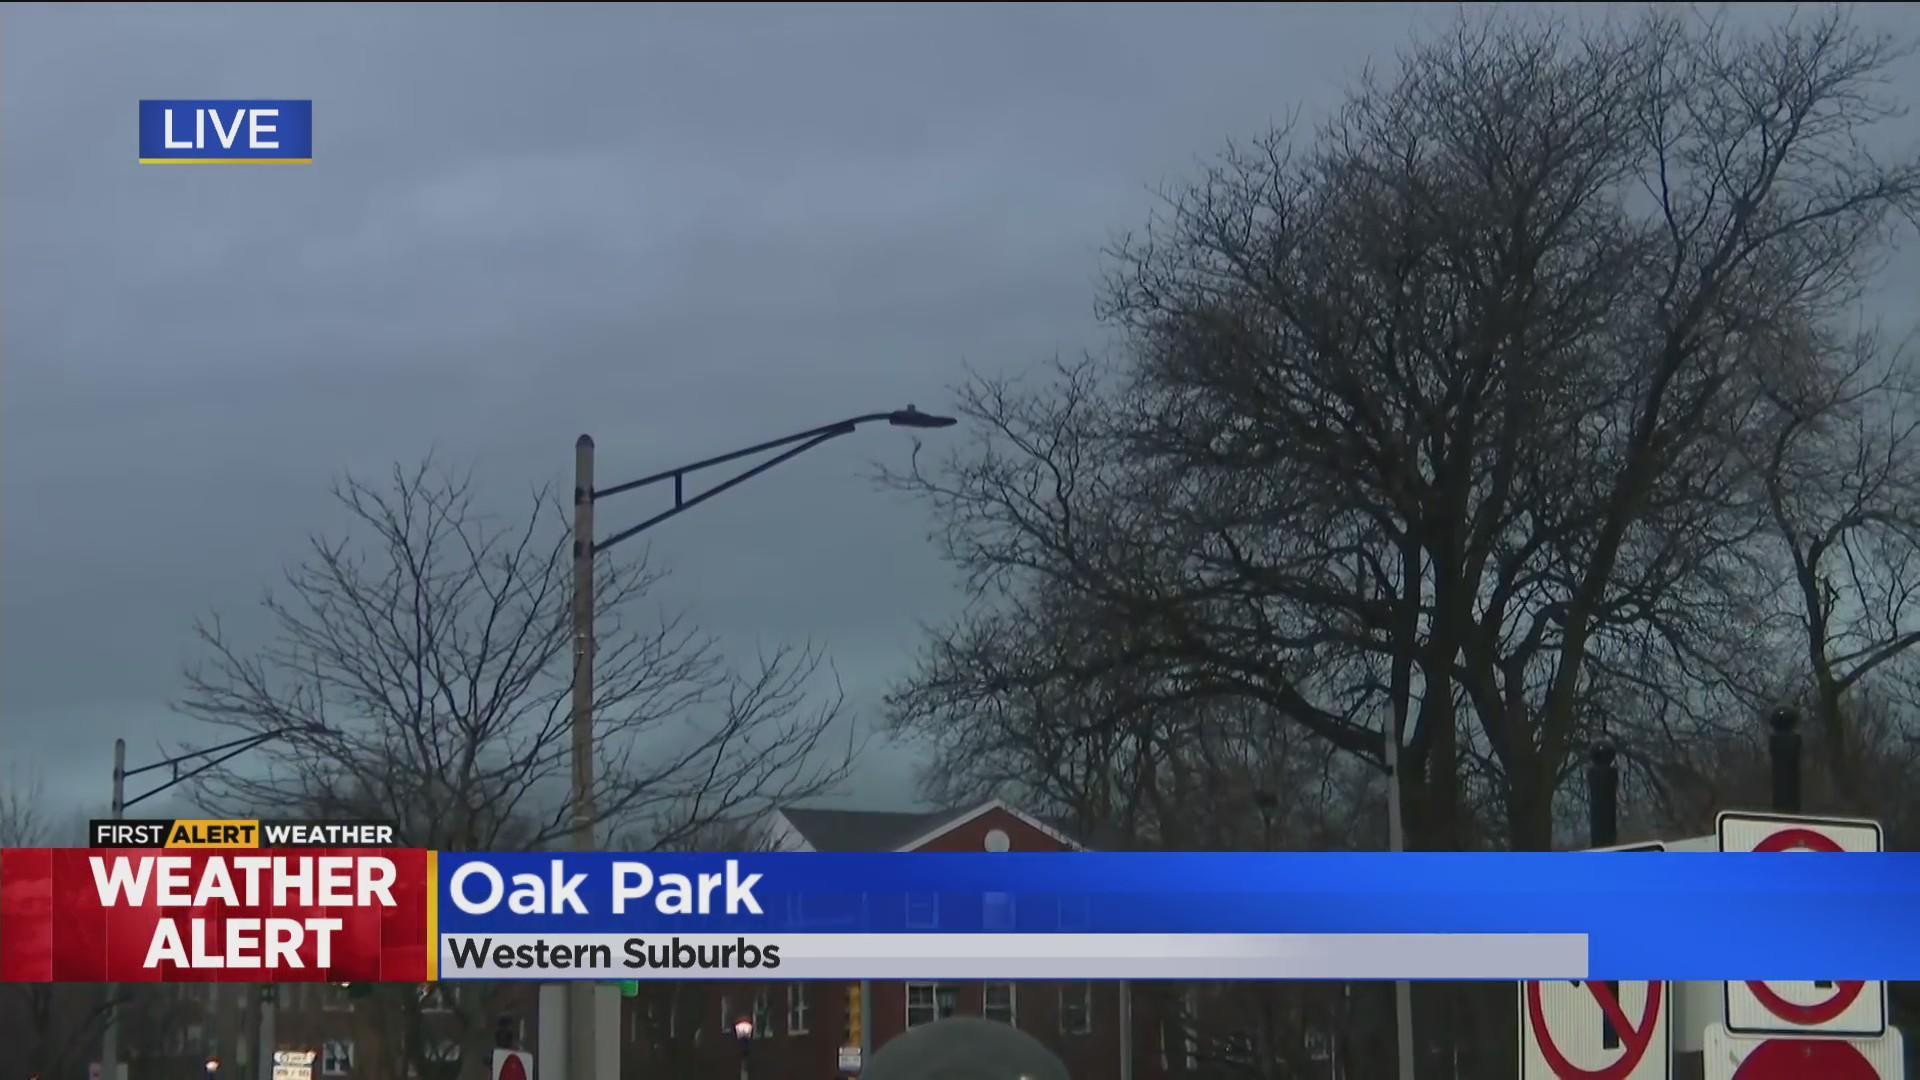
998	840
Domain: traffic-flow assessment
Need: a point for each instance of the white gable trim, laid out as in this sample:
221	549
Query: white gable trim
783	836
985	808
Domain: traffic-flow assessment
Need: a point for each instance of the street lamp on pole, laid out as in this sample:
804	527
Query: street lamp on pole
201	760
580	1007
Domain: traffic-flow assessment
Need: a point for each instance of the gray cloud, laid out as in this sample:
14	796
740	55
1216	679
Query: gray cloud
681	229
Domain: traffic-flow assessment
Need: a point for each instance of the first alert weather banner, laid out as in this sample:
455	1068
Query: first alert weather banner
174	911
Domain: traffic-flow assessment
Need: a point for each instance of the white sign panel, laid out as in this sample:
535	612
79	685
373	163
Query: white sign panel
849	1059
1834	1009
1730	1057
1596	1031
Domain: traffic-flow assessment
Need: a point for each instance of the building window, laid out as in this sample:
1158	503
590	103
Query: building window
726	1014
336	1058
763	1014
927	1002
798	1009
996	1002
1076	1008
443	1057
923	911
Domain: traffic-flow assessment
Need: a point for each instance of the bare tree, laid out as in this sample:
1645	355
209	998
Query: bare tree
1840	459
419	672
1436	423
1431	422
22	812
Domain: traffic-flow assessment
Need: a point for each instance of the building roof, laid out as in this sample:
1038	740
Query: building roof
865	830
887	830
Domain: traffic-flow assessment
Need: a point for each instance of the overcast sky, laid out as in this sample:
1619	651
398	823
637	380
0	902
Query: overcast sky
679	229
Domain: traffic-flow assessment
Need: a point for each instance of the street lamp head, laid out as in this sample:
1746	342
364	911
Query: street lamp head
213	1066
914	418
743	1029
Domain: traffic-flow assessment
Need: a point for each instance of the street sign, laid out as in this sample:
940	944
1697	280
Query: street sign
293	1065
512	1065
849	1059
1597	1030
1730	1057
1849	1009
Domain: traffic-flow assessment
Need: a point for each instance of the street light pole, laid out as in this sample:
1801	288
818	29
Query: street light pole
110	1033
578	1002
209	758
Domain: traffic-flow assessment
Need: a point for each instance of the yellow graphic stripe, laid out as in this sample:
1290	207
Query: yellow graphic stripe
433	916
226	161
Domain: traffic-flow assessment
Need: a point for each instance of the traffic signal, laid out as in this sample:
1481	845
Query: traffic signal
503	1033
630	988
851	1036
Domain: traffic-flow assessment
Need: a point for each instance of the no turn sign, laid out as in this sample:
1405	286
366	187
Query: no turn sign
1851	1009
1595	1031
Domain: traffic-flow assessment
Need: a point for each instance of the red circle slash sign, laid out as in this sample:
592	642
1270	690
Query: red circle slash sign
511	1069
1845	993
1795	1059
1635	1039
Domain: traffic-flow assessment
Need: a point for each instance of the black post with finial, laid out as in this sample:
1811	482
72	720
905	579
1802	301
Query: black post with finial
1784	746
1603	797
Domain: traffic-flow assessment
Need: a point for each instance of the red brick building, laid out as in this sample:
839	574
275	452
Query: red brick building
802	1028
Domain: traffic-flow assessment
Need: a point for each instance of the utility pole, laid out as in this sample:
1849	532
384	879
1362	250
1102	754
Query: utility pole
580	995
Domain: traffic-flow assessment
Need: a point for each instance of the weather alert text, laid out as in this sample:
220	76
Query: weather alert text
186	912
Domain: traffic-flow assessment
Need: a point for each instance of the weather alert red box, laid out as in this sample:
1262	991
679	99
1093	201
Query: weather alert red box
245	915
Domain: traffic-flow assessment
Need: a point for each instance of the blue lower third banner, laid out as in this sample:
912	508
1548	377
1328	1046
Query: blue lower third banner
1469	916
